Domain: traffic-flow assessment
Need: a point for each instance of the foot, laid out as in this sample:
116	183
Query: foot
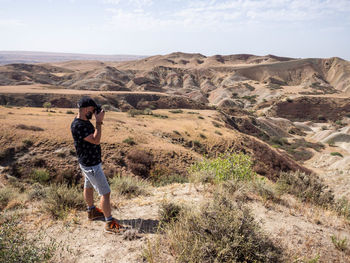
95	213
114	227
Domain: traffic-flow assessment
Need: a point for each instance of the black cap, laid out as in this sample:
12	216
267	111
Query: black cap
86	102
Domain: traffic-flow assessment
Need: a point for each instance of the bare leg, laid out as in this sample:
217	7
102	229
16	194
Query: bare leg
106	205
89	196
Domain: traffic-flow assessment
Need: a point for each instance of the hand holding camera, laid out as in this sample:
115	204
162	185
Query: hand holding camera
99	113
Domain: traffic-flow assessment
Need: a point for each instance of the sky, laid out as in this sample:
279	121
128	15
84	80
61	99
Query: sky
291	28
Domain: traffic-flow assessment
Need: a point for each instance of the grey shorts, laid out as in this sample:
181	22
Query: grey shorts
95	178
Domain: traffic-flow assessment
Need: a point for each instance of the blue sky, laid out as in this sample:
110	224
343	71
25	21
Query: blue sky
294	28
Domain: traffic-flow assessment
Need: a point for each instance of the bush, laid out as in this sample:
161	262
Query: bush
37	192
129	186
27	143
5	196
221	231
40	175
336	154
176	111
16	247
218	132
47	105
308	188
168	212
129	141
69	112
226	166
61	198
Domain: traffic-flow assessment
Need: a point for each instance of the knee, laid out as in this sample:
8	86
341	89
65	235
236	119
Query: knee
106	196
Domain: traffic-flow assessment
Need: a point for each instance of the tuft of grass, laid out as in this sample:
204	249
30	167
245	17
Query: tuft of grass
201	117
216	124
61	198
129	141
221	231
226	166
336	154
27	143
176	132
69	112
15	246
160	116
192	112
340	244
129	186
40	175
176	111
36	192
168	212
202	136
6	195
218	132
342	207
308	188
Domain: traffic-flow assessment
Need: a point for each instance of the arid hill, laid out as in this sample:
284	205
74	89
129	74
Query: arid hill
287	119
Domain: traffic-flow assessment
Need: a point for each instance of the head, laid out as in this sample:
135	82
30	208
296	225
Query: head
87	107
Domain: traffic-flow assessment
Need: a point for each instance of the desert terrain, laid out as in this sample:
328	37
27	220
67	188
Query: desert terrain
165	115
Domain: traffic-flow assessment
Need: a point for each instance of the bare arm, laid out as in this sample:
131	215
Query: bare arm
95	137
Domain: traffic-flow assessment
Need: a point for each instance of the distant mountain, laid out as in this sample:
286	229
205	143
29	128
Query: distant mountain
9	57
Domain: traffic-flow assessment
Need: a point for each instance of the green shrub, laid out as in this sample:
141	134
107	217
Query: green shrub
221	231
226	166
216	124
69	112
336	154
340	244
15	246
200	117
129	141
40	175
47	105
36	192
160	116
61	198
308	188
342	207
129	186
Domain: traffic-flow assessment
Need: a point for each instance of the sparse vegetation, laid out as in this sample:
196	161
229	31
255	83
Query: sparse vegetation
15	246
216	124
129	186
47	105
201	117
176	132
161	116
176	111
129	141
168	212
40	175
221	231
218	132
61	198
5	196
202	136
27	143
227	166
161	175
340	244
192	112
69	112
336	154
307	187
31	128
134	112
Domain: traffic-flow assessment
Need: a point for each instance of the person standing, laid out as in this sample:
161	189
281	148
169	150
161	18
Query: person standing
87	144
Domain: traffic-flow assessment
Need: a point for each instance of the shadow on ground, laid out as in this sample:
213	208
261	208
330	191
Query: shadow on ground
147	226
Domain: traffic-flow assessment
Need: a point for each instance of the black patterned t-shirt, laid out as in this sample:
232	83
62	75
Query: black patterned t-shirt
89	154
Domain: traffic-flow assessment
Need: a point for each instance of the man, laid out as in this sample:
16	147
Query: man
87	145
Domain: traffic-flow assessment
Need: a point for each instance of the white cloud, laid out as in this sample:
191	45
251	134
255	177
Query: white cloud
212	15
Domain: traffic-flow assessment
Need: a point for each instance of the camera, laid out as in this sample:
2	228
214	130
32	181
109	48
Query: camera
98	109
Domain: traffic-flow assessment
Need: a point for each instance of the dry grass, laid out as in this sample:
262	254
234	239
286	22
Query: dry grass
129	186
